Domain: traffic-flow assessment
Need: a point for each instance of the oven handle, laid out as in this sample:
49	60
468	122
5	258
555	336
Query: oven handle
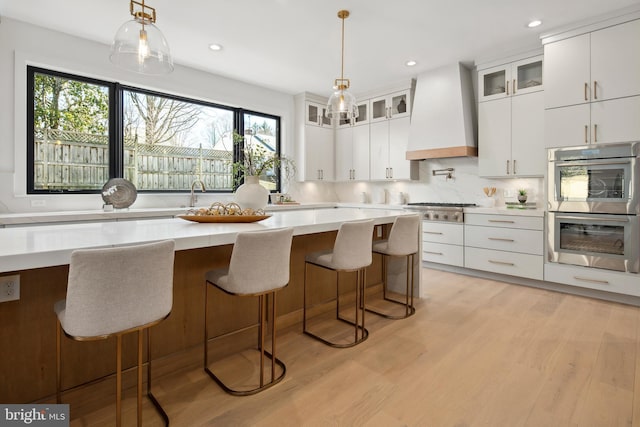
591	219
592	163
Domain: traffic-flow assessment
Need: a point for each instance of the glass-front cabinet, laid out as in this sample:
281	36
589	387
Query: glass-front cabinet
391	106
510	79
363	115
315	114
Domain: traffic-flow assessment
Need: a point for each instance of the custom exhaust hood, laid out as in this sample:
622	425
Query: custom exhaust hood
443	122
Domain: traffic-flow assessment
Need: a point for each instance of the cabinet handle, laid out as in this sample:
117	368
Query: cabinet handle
507	87
595	89
595	133
586	88
586	130
507	167
319	120
501	262
504	221
390	172
585	279
514	88
432	232
501	239
514	166
432	253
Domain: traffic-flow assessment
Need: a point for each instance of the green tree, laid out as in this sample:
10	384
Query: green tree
70	105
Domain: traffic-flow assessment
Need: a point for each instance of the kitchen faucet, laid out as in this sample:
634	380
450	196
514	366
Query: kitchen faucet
194	198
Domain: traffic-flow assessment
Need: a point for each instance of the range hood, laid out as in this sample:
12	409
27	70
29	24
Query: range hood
443	120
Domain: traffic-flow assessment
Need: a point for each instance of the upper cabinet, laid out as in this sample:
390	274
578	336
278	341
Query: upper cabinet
362	119
597	66
511	127
391	106
315	139
315	114
592	87
515	78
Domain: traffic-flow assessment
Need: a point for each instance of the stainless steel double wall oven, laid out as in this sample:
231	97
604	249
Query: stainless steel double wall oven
594	209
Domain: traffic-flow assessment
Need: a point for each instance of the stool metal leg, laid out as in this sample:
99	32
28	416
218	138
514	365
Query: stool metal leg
150	395
262	315
360	332
408	303
58	362
118	380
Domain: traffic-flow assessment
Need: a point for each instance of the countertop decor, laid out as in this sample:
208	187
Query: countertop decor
119	193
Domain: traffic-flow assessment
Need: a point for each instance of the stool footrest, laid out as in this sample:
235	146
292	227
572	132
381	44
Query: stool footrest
411	310
235	392
363	331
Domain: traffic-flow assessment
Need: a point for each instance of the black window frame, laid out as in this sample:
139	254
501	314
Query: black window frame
116	131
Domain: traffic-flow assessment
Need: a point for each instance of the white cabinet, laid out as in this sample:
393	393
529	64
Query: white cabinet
614	120
315	139
315	114
388	147
511	127
593	278
352	153
505	244
319	148
510	134
362	119
443	243
597	66
390	106
515	78
592	87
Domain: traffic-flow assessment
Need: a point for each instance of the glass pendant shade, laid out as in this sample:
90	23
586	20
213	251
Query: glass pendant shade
140	46
342	105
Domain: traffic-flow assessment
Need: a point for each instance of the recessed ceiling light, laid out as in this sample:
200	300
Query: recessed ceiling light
410	63
215	47
534	23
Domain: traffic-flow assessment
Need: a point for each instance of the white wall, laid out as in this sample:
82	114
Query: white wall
23	44
465	187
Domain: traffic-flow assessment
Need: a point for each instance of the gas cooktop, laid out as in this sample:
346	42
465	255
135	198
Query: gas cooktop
449	212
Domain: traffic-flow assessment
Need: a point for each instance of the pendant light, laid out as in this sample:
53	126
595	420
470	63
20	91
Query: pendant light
342	104
139	45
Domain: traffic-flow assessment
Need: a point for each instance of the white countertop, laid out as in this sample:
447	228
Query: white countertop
48	245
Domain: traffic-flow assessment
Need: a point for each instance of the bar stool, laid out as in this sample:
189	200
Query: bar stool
351	253
116	291
259	267
402	242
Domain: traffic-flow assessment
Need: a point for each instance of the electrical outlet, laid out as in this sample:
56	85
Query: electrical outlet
9	288
509	192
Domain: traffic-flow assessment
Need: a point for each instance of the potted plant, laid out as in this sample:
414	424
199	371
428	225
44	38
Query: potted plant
522	195
257	163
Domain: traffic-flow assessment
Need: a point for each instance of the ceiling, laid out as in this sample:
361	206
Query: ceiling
294	45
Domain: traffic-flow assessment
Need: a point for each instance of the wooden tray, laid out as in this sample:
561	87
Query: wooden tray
223	218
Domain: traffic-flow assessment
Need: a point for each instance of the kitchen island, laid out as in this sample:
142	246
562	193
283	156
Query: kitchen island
40	255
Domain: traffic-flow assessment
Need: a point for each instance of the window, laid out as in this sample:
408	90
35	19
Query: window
82	132
70	133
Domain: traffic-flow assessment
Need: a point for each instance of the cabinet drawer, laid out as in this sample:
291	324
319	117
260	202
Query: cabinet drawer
593	278
440	232
443	254
504	239
508	221
514	264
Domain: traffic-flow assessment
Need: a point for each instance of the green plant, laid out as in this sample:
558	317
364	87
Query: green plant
522	192
258	161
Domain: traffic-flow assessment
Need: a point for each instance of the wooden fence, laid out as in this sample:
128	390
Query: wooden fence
79	161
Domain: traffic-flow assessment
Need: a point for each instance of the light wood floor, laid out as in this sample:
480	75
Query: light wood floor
477	353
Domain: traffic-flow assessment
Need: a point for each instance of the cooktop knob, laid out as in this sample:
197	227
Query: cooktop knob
444	216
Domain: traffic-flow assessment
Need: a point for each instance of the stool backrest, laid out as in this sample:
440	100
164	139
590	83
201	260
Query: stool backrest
352	248
260	261
403	237
116	289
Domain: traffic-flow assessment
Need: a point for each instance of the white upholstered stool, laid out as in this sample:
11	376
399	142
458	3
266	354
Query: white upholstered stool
259	267
116	291
351	252
402	242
